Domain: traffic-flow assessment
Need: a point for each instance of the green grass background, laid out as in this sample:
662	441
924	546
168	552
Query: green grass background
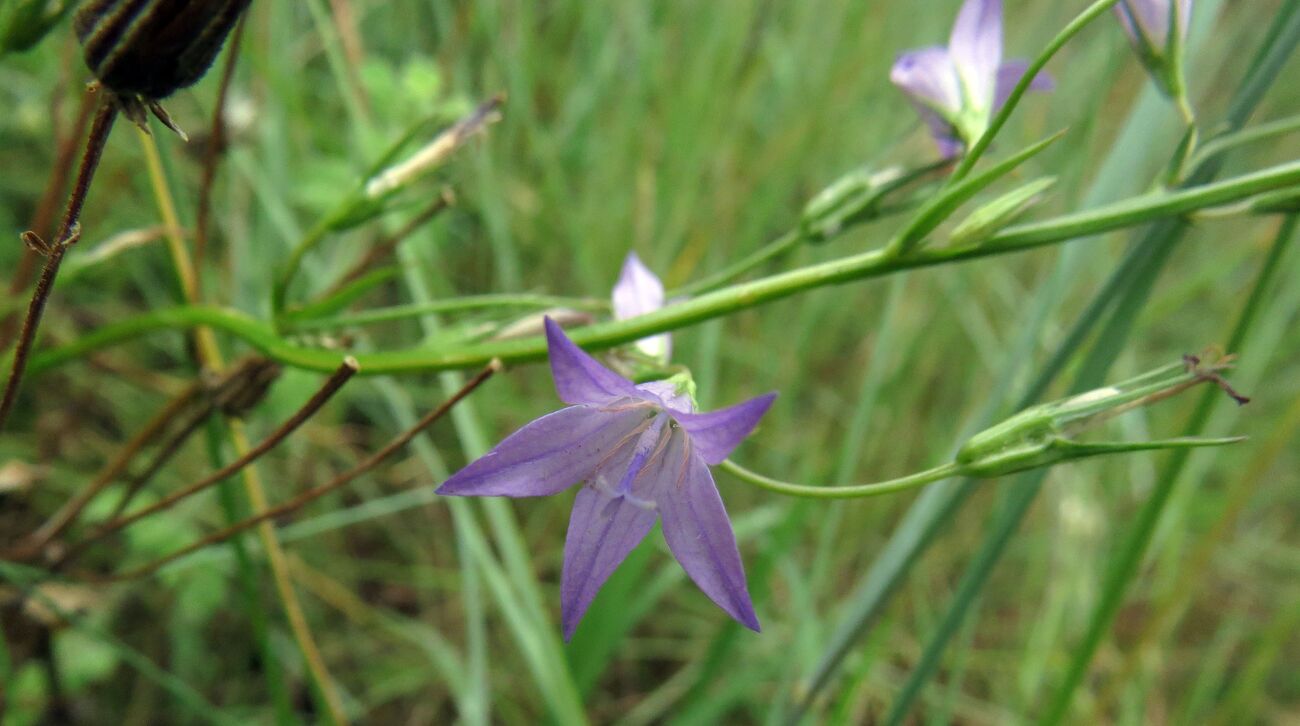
692	133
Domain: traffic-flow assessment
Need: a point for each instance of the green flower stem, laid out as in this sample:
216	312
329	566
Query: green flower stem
776	248
1177	76
852	491
309	242
875	263
1228	142
1000	119
451	305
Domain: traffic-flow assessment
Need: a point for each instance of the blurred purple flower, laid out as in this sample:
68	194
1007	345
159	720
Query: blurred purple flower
1147	23
957	89
643	453
637	292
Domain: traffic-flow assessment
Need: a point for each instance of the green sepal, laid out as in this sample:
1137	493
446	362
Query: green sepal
991	218
941	207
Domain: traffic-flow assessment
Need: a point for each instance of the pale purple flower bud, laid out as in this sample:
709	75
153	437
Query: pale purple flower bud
637	292
957	89
643	455
1147	23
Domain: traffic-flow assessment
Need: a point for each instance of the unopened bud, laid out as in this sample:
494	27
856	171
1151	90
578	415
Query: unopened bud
388	178
435	153
1157	29
152	48
991	218
1040	435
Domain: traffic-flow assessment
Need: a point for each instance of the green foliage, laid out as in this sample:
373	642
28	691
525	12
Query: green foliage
698	134
24	23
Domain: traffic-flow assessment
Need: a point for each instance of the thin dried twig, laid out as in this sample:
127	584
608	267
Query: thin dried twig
345	24
315	493
241	388
216	145
309	409
47	207
67	515
69	231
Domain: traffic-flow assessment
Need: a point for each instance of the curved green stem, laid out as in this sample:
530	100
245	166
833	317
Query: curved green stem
1022	87
451	305
313	238
1228	142
875	263
850	491
776	248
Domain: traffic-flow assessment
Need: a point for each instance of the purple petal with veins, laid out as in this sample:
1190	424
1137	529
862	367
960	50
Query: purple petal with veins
602	531
698	532
579	378
717	433
548	455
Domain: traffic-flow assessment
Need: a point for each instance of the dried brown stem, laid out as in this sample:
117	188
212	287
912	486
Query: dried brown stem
43	218
216	146
345	24
169	449
309	409
240	389
315	493
68	514
67	236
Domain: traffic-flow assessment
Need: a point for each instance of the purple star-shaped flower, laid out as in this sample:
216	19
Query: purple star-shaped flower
637	292
643	454
957	89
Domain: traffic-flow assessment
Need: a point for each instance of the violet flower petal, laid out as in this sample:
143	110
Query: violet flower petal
548	455
976	48
717	433
929	78
1009	75
942	132
698	532
579	378
637	292
602	531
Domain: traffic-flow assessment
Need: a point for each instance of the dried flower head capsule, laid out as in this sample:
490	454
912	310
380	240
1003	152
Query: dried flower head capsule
149	49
